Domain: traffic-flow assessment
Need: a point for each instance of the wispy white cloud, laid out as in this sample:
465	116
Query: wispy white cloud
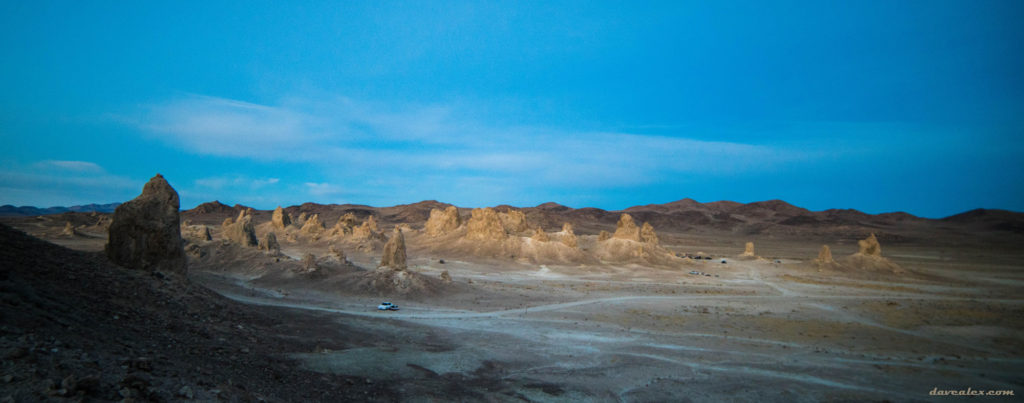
323	189
221	182
73	166
59	184
375	146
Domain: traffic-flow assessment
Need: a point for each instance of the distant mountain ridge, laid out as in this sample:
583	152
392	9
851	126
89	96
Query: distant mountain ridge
9	210
755	217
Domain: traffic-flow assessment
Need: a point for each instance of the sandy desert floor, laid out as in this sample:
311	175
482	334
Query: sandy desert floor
753	330
767	329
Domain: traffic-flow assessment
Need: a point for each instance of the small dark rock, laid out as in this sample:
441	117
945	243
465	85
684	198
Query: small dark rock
19	352
186	392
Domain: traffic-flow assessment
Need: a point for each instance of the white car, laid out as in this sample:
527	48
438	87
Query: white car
387	306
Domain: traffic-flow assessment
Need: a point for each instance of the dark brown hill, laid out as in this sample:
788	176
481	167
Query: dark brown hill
687	216
989	219
411	213
213	207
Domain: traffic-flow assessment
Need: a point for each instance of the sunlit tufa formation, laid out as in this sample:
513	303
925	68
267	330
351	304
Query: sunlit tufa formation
540	236
313	225
825	255
748	250
568	236
484	224
281	219
870	246
242	231
443	221
647	234
345	226
368	230
394	252
513	221
627	229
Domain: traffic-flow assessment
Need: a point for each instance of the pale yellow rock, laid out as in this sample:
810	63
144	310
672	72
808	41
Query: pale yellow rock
484	224
443	221
627	229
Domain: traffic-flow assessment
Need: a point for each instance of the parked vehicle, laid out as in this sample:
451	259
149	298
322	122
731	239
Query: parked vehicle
387	306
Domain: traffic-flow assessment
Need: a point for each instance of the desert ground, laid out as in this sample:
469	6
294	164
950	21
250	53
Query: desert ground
684	316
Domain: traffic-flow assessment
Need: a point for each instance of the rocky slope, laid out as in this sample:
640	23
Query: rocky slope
76	326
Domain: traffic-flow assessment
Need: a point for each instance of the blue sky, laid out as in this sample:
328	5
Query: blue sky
913	106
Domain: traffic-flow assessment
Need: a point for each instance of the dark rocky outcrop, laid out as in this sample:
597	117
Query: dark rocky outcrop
269	243
146	232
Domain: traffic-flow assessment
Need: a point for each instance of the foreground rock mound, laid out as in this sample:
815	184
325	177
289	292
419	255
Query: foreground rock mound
394	252
345	226
146	232
443	221
154	339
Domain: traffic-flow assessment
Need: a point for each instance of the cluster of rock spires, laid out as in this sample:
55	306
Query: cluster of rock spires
368	231
627	229
489	225
312	225
630	242
868	258
145	233
345	226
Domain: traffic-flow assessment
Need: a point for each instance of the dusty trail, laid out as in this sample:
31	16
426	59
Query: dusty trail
554	307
